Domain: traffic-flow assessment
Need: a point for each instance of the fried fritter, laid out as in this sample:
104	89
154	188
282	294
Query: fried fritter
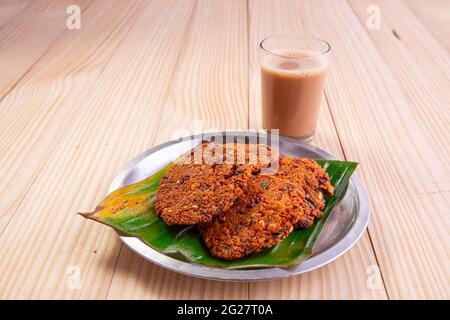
207	181
269	209
314	181
263	217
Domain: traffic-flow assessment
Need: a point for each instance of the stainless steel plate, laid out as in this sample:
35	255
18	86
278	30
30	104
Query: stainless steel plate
345	226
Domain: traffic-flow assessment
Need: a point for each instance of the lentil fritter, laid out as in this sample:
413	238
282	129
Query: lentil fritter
208	180
263	217
238	209
313	180
269	209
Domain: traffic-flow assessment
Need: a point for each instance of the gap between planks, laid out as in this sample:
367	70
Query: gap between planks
426	17
398	79
165	99
187	113
107	60
289	28
42	55
18	12
54	43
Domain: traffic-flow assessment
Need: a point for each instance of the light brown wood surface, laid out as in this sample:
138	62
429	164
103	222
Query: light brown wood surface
75	105
434	14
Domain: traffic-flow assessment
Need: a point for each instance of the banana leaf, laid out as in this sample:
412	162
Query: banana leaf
130	210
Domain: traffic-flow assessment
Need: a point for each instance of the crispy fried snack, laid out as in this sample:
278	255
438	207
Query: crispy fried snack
263	217
308	175
207	181
268	210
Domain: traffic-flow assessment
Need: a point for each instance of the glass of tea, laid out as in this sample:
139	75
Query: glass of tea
293	69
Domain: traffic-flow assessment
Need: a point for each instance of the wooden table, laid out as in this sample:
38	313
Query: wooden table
76	104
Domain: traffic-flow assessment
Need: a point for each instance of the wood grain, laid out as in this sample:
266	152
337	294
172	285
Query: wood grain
35	115
422	69
208	93
10	8
434	14
408	228
28	35
113	123
285	17
75	105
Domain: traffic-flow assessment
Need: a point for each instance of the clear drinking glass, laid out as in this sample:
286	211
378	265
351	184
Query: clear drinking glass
293	69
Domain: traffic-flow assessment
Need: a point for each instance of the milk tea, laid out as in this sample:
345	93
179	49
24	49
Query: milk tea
291	92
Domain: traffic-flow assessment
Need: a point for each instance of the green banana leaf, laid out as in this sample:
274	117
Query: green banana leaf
130	210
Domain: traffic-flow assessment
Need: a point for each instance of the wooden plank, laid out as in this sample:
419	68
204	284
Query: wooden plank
9	9
28	35
346	278
421	67
209	93
409	227
36	114
435	15
75	91
116	121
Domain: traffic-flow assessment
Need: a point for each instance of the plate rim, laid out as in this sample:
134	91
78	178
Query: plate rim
206	272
